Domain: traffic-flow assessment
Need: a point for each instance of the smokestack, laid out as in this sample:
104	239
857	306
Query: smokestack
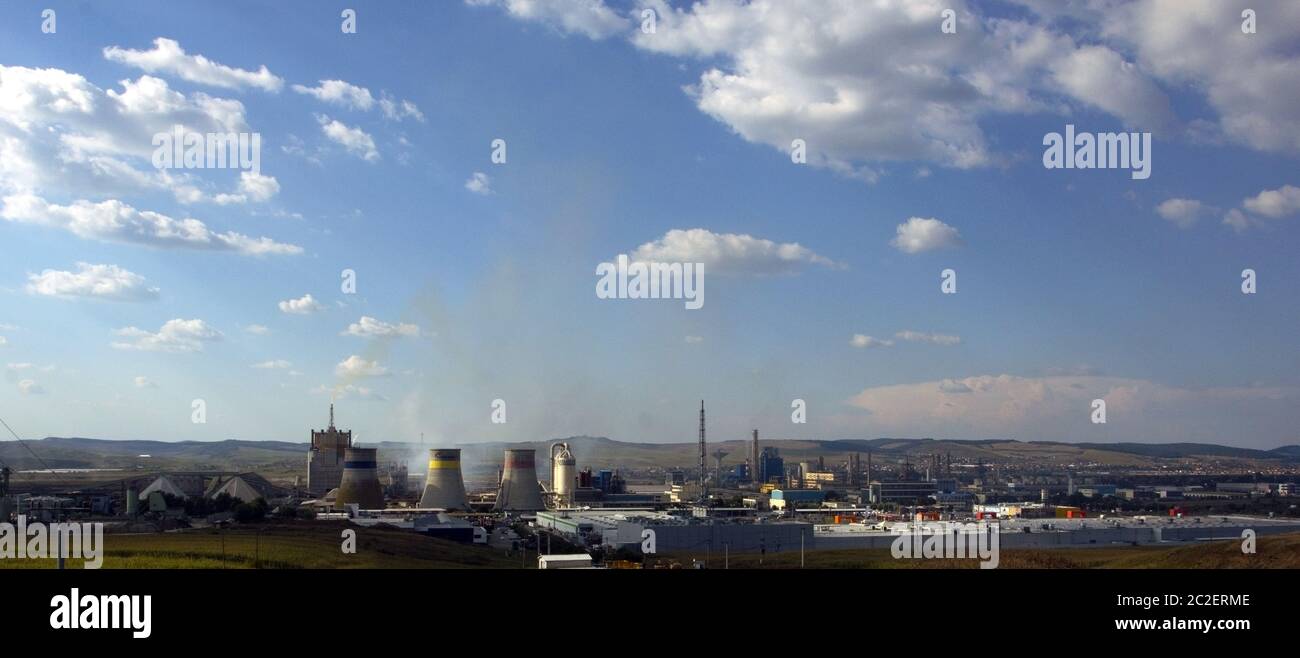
520	491
753	459
704	466
360	482
444	486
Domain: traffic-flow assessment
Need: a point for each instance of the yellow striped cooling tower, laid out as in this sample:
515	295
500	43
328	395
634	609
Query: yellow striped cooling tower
360	482
444	486
520	491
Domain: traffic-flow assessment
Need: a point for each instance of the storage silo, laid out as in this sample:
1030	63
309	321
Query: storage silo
132	503
520	491
360	481
564	470
444	486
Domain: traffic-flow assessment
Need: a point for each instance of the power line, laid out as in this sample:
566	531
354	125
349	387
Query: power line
24	444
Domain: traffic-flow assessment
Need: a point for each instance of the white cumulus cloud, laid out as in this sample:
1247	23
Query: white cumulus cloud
61	135
304	305
355	140
115	221
728	253
368	327
96	281
1182	212
339	92
868	83
920	234
479	183
355	367
864	341
175	336
1275	204
1058	408
253	187
167	57
591	18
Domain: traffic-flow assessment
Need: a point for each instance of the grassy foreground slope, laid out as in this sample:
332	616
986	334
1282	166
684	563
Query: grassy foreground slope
310	545
317	545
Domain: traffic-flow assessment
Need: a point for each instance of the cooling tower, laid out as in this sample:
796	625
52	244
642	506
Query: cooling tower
564	469
443	486
520	491
360	482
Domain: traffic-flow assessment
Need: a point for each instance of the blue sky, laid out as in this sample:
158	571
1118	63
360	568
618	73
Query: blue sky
1073	285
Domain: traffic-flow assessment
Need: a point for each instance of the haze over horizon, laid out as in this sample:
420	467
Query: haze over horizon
128	292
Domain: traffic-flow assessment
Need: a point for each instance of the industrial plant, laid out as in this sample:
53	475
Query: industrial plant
584	514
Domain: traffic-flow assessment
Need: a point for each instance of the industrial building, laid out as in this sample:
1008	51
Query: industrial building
625	528
594	523
771	467
245	487
906	492
576	561
164	485
1063	532
795	498
326	457
1097	490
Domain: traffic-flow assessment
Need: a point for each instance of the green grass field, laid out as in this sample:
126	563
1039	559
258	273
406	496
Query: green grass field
307	545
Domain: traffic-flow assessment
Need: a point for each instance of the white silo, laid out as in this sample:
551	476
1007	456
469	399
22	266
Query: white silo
564	471
360	481
444	486
520	491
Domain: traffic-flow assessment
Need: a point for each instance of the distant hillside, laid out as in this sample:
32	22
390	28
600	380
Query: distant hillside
228	455
285	457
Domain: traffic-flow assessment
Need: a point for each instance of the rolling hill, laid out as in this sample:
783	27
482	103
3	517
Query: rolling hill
601	452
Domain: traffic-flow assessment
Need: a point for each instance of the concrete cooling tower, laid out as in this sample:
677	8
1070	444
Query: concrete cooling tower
444	486
520	491
360	482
